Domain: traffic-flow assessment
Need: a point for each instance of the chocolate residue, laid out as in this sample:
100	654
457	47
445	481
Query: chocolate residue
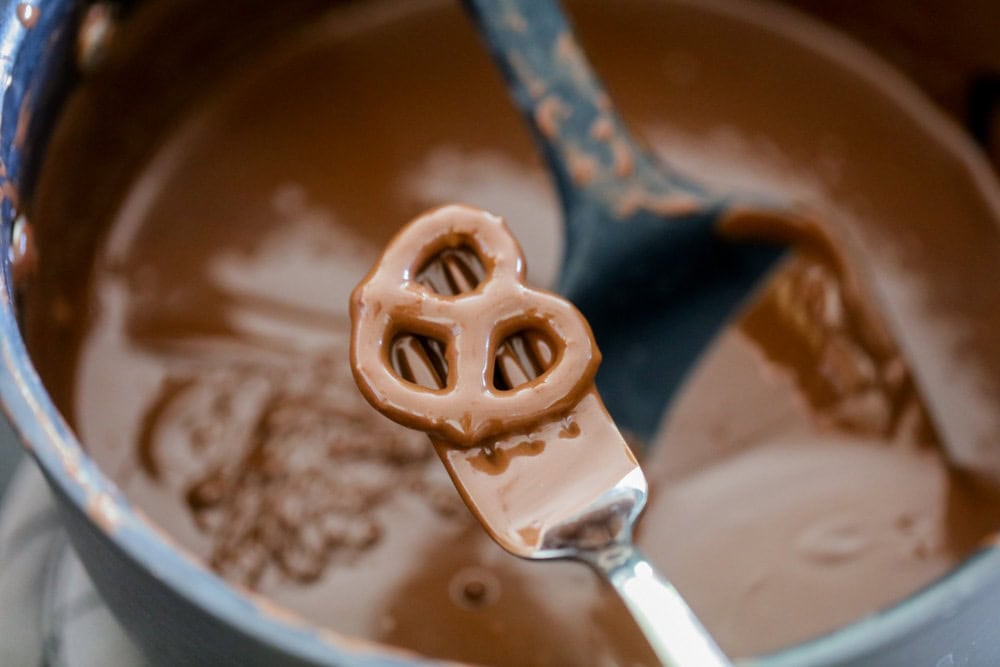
281	471
857	383
23	253
27	15
495	461
570	429
831	339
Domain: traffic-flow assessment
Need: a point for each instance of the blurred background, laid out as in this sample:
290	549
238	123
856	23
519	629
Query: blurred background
950	48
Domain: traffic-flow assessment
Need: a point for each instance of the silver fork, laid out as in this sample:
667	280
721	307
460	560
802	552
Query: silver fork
590	515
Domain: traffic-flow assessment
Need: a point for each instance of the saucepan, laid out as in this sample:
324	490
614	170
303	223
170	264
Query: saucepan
176	609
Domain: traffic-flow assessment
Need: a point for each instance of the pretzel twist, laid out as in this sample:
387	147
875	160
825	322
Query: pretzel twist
468	410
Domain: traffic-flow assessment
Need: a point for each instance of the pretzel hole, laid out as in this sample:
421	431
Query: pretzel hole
452	271
522	357
419	360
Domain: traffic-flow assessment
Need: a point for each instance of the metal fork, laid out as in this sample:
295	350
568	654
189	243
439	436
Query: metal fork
589	516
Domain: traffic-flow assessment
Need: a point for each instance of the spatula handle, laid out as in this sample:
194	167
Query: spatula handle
587	145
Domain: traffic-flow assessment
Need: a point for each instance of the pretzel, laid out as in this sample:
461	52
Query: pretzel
469	409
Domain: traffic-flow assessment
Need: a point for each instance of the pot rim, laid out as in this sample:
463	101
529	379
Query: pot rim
49	440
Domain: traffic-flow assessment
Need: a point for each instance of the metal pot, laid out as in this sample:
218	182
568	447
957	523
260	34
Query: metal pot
181	613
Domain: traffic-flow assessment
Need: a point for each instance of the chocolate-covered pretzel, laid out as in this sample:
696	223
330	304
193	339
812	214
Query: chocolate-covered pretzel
469	409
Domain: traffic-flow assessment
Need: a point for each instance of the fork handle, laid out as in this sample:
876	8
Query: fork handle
671	628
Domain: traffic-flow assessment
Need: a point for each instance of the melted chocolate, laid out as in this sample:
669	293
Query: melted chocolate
808	447
204	363
468	409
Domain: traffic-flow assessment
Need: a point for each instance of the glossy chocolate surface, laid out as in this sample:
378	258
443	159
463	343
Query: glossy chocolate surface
469	409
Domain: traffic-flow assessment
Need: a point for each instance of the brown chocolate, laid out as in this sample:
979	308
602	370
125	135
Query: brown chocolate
27	15
469	409
23	253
